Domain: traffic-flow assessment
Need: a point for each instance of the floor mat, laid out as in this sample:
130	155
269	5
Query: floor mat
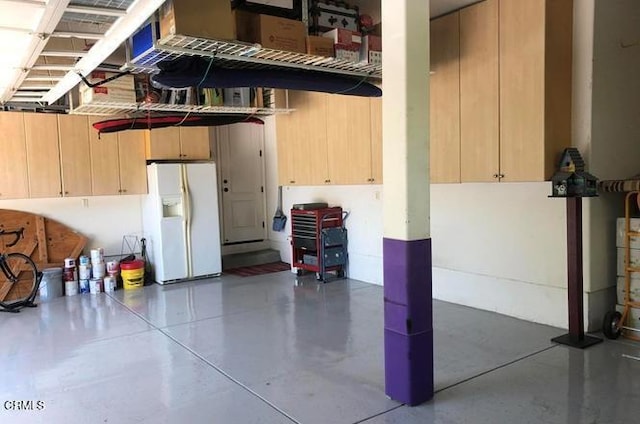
248	271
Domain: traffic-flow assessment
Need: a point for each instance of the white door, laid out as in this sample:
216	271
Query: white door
241	161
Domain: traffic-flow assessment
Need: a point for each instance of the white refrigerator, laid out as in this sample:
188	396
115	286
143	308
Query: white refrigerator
181	222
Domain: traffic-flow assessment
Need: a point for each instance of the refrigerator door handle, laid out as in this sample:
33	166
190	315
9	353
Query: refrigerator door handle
187	219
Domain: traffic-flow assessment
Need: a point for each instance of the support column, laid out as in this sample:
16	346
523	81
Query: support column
408	312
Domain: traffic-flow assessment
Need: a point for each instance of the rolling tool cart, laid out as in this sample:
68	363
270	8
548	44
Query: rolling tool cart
319	240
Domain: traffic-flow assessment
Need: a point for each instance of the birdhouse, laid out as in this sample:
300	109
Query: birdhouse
571	180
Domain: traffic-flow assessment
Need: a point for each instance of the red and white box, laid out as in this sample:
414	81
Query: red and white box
371	49
347	43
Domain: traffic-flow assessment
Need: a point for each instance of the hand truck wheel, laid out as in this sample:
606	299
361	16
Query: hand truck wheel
611	325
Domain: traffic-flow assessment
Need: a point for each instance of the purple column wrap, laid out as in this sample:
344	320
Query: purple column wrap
408	320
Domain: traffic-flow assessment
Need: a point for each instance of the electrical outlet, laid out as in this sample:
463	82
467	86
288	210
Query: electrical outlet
85	203
377	195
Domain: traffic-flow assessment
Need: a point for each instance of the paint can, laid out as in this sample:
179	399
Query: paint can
109	284
95	285
84	260
50	284
84	272
70	288
69	274
97	255
69	262
98	270
113	267
84	286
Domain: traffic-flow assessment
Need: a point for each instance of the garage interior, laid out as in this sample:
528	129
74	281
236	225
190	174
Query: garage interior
281	347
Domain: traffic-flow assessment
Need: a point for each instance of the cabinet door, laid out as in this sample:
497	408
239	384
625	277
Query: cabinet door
284	136
133	166
163	143
309	138
105	176
43	155
14	183
479	100
194	143
445	100
376	140
75	156
522	35
349	139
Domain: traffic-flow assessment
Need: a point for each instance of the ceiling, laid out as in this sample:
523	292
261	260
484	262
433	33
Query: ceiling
47	42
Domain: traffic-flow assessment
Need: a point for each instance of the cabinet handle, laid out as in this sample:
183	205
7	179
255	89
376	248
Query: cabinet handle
60	193
120	191
124	190
327	181
292	182
501	175
66	192
496	175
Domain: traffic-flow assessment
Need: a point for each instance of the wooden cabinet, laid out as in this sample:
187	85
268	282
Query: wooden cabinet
349	139
535	86
194	143
132	164
75	155
178	143
118	164
375	106
14	183
479	93
505	113
43	154
444	108
330	139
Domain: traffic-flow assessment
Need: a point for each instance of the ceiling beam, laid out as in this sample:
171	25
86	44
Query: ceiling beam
102	11
137	14
53	11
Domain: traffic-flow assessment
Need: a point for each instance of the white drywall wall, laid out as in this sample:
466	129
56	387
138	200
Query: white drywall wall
104	220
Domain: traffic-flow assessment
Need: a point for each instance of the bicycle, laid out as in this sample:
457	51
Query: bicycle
19	279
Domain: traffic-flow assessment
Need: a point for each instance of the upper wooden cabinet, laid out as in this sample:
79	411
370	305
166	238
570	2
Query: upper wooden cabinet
132	168
14	183
535	86
479	93
507	115
105	174
330	139
75	155
444	104
178	143
43	155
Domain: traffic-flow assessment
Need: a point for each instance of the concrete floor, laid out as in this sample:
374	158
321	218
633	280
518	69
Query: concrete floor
268	349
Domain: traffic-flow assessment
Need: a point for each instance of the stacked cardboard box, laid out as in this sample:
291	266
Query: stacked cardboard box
634	261
271	32
120	90
346	43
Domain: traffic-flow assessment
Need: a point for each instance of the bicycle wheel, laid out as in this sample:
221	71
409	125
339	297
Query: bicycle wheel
20	279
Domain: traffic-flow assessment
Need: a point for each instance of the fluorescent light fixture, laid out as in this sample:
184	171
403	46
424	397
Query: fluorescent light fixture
137	14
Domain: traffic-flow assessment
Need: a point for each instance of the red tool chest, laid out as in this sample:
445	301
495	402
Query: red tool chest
318	240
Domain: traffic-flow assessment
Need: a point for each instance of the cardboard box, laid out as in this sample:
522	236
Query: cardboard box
344	37
124	82
104	94
635	290
635	261
320	46
371	49
271	32
237	97
196	18
347	53
634	224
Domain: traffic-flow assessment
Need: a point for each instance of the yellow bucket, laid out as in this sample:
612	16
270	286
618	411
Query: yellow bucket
132	274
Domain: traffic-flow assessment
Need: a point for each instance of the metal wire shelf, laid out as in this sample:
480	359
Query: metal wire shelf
236	54
113	108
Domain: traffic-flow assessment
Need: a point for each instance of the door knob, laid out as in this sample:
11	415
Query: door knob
225	181
226	189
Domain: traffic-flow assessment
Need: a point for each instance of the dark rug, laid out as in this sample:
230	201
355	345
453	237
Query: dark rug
249	271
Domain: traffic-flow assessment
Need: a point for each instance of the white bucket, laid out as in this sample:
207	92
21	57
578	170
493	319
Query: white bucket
70	288
109	284
84	260
113	267
84	286
95	286
69	262
98	270
97	255
84	272
51	284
